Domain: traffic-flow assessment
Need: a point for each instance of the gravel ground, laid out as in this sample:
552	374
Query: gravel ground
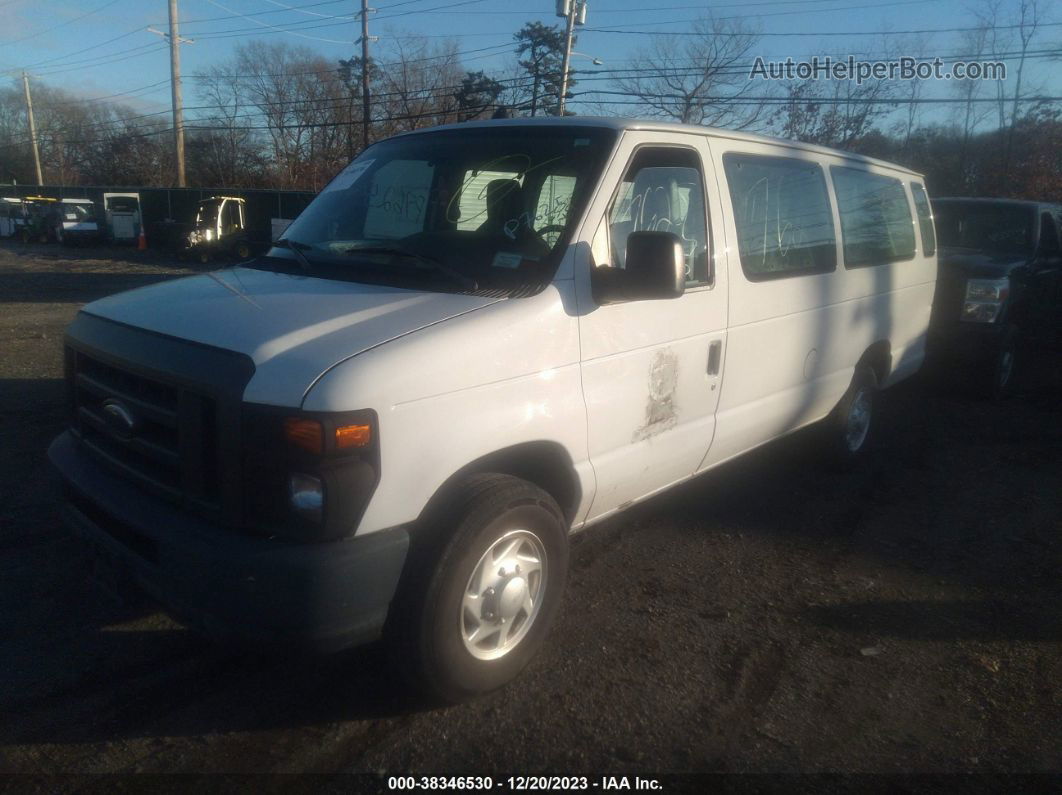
772	617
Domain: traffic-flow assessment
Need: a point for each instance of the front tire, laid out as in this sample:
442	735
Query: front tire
999	379
493	583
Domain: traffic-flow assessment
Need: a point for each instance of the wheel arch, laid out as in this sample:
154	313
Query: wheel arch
546	464
878	357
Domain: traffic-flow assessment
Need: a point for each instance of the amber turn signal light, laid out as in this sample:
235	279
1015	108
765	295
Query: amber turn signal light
348	436
304	433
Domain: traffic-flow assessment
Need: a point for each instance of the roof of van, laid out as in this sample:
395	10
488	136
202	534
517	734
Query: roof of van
991	200
616	123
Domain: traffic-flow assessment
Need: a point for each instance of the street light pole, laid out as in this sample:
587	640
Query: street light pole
365	39
574	12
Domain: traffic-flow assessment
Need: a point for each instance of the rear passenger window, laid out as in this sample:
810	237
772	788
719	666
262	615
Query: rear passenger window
663	191
925	219
782	215
876	224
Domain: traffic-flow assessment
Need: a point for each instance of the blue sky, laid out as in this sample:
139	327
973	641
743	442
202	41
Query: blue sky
78	44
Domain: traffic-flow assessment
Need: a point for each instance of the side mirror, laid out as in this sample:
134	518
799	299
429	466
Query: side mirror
655	269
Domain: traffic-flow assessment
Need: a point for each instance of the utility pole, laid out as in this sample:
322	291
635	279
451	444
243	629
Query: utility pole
33	128
175	87
574	11
365	39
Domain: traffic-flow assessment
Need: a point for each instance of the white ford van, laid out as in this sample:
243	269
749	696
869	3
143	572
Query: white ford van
476	340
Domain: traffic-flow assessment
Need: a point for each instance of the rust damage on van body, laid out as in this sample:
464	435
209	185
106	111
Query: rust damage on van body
661	412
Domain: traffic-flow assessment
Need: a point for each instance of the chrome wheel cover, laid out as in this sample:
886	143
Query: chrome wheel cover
503	595
858	424
1006	368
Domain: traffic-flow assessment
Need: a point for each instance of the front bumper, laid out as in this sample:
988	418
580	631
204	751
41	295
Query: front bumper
313	596
965	343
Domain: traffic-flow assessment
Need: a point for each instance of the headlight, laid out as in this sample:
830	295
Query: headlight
987	289
306	494
208	235
977	312
984	299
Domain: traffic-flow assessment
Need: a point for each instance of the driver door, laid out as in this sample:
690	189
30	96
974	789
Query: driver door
652	369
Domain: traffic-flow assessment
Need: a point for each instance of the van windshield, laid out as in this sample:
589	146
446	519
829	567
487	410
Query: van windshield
985	226
479	208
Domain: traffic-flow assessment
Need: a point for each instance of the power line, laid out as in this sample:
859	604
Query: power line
726	34
60	25
275	28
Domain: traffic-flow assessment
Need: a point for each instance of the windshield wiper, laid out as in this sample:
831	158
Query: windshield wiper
467	282
296	248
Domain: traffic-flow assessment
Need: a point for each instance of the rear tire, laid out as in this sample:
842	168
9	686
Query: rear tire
850	425
242	251
483	588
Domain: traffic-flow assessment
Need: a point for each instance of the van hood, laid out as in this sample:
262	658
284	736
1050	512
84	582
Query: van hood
293	327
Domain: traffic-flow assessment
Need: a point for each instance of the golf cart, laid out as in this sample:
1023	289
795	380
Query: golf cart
39	220
12	215
220	229
77	222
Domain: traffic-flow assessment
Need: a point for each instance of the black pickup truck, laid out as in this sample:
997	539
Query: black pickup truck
1000	265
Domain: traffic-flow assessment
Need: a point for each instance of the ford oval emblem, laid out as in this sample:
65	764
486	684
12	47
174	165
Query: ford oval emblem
120	419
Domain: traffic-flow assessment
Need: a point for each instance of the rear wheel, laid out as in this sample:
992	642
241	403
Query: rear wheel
490	589
850	425
242	250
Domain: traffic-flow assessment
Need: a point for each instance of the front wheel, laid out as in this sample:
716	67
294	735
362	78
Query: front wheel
999	378
491	592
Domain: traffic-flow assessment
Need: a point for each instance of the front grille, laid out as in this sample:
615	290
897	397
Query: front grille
171	448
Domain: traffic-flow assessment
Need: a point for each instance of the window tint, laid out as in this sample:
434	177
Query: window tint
925	219
663	191
876	224
782	215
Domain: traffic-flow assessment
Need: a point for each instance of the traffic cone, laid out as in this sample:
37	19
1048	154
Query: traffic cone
141	242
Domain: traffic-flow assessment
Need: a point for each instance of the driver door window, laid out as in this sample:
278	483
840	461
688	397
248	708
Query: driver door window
663	191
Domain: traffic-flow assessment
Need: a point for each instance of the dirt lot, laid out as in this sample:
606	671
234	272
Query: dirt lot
904	616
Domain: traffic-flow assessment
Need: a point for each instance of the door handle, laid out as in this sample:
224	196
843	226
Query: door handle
715	350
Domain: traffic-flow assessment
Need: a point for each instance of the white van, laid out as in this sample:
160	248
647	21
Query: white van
476	340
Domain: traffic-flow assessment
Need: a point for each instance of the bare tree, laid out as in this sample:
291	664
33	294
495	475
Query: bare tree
1029	19
226	153
702	80
970	113
834	113
418	80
